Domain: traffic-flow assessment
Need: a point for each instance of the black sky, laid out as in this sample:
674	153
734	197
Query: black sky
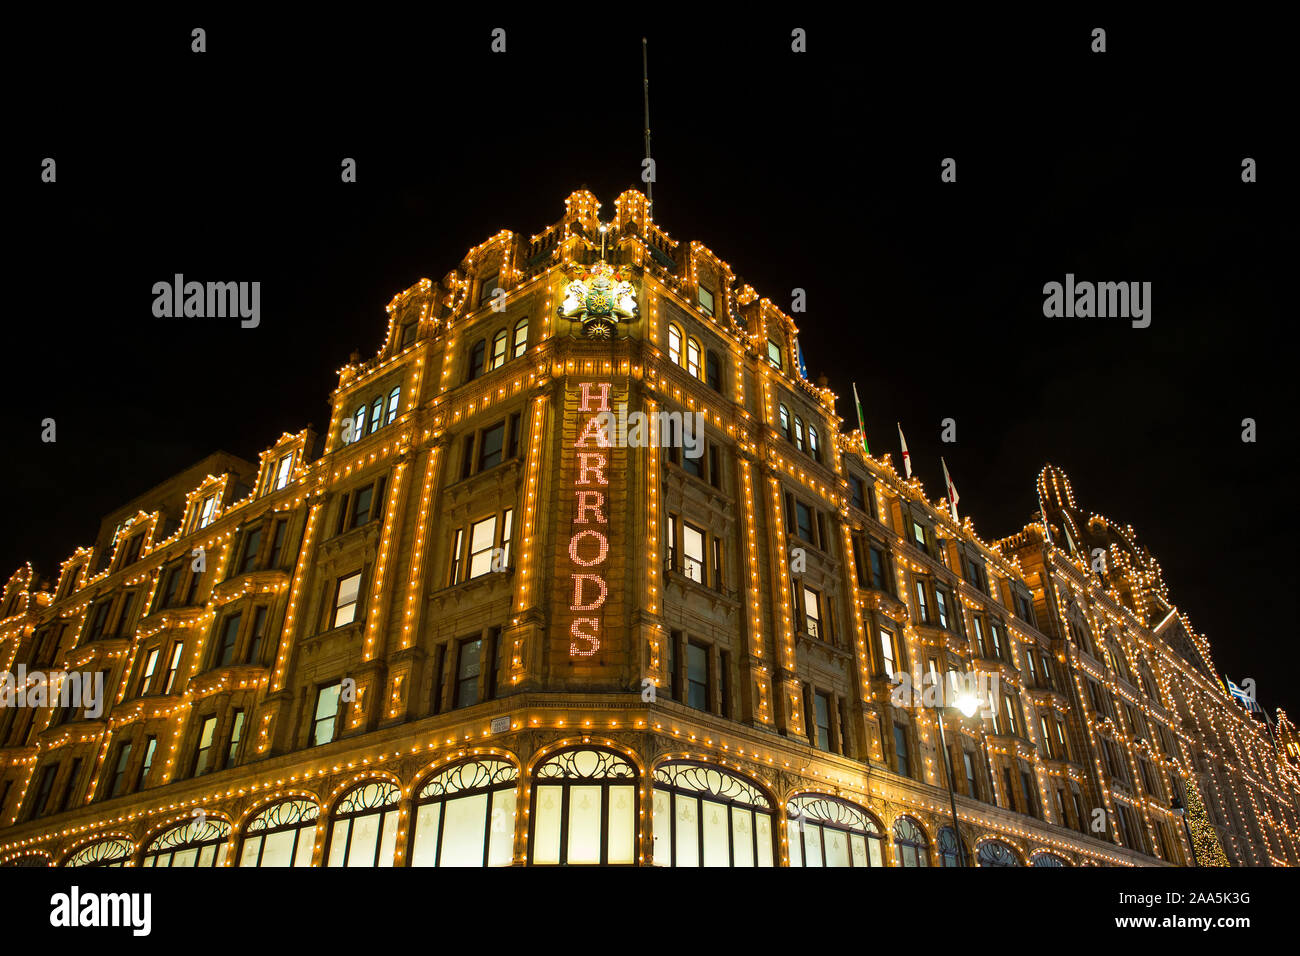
817	171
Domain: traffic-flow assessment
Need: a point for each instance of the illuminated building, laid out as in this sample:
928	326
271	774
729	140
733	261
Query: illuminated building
467	624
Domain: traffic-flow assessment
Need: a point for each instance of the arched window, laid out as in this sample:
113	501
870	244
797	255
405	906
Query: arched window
949	849
521	339
674	344
584	809
359	422
913	848
996	853
1046	859
376	414
785	423
476	356
465	816
113	852
197	842
713	370
498	349
363	827
823	831
798	433
393	397
693	358
708	817
28	859
283	834
813	448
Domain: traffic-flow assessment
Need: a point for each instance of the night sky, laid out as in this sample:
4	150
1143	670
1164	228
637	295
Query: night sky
818	171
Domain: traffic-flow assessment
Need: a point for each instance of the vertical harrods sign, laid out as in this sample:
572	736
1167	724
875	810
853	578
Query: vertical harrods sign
589	535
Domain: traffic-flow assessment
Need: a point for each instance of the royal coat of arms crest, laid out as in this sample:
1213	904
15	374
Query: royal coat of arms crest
599	296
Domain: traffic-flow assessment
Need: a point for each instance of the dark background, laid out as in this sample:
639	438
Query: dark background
818	171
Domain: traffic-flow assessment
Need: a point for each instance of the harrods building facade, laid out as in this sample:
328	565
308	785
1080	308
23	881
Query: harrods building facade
468	626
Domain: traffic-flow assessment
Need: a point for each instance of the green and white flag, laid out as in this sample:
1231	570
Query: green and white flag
861	427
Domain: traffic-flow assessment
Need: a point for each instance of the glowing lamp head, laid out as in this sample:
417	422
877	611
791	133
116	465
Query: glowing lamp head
968	704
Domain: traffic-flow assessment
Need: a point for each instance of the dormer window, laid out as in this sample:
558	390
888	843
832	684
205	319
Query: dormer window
487	288
283	469
774	354
206	511
705	297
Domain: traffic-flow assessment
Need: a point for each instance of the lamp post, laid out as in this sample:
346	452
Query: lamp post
967	704
1177	807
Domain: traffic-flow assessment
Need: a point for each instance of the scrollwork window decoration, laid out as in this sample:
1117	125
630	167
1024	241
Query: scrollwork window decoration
834	812
193	833
586	765
687	776
996	853
287	813
473	775
368	797
1045	859
111	852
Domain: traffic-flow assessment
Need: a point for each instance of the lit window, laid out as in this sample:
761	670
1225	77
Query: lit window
236	734
785	423
498	350
693	553
200	842
812	612
177	649
465	816
376	414
705	298
325	716
507	520
774	353
584	809
693	358
363	830
887	653
922	606
913	848
345	599
482	536
823	831
359	422
703	816
675	344
203	756
521	339
798	433
281	835
150	663
205	512
283	469
393	398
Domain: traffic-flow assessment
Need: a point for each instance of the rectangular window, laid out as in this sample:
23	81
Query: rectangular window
774	354
44	787
70	786
491	447
119	770
203	756
325	716
812	613
229	635
822	705
516	423
457	555
206	511
486	288
346	594
724	682
482	538
173	667
941	606
283	469
968	760
507	526
277	544
1030	790
697	676
693	553
1009	790
705	297
918	535
98	620
858	492
236	735
922	605
804	522
467	671
888	654
258	637
901	761
879	576
146	676
150	746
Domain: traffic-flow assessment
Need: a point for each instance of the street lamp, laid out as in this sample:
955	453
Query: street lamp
1177	807
967	704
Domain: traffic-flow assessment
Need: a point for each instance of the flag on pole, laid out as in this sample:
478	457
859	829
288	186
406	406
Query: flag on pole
798	352
907	458
1243	697
861	427
953	497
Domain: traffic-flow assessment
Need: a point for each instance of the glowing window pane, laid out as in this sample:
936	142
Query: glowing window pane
425	852
742	836
501	844
687	812
482	536
584	824
546	833
717	830
622	824
662	823
463	831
